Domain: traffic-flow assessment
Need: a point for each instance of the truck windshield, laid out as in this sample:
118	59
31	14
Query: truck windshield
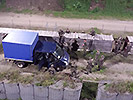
58	52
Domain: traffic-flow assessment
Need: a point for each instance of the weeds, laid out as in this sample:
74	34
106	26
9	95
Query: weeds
113	9
65	84
89	88
120	87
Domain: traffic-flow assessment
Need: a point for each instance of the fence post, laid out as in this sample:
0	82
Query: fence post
102	27
55	27
79	27
125	29
47	26
29	23
12	22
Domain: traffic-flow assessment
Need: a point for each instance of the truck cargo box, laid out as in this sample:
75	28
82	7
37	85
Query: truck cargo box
19	45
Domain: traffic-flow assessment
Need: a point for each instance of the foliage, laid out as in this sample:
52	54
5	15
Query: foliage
76	5
121	9
65	84
120	87
89	88
1	47
2	5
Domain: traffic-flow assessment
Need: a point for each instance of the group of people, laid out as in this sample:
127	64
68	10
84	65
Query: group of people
95	61
70	45
122	46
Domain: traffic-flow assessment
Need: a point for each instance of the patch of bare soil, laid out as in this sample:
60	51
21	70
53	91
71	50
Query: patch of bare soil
4	65
99	4
40	5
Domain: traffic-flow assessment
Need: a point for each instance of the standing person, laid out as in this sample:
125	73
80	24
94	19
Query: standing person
84	47
127	49
61	34
97	56
119	41
116	50
68	46
100	62
74	48
68	31
74	69
61	37
90	65
62	41
75	45
91	45
93	33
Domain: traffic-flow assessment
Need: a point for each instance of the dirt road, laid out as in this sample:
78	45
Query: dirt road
35	21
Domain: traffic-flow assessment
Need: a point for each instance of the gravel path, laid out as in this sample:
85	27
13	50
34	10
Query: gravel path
25	20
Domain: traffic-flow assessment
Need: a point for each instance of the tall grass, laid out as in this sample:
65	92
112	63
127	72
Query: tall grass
121	9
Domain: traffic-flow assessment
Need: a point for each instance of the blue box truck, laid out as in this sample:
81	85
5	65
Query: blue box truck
24	48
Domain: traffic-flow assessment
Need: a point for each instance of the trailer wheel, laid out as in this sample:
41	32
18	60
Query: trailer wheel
20	64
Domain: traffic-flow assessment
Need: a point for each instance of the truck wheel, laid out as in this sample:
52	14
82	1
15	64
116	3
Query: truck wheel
20	64
59	69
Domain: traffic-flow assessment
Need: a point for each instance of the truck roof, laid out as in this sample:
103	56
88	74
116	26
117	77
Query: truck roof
45	46
20	37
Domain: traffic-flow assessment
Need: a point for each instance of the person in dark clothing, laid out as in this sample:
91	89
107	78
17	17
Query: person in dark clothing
61	32
75	46
91	45
90	65
100	62
61	37
85	47
74	69
68	31
68	46
93	33
127	49
117	47
62	41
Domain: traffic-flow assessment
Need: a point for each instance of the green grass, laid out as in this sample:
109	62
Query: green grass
114	59
120	87
116	9
2	5
120	9
1	47
89	91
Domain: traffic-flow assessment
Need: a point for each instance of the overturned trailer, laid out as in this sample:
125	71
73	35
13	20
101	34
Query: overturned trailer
130	39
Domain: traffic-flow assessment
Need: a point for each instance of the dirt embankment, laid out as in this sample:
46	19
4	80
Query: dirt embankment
40	5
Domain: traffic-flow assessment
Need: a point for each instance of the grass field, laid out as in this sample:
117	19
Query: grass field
119	9
112	9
